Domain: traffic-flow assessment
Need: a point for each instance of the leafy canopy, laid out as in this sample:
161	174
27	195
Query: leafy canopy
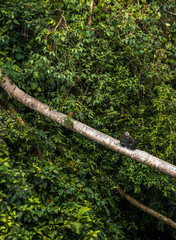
116	74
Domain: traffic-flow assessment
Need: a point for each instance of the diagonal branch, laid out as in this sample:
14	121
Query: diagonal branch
143	207
83	129
146	209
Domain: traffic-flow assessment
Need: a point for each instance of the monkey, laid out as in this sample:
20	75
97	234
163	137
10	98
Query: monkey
127	141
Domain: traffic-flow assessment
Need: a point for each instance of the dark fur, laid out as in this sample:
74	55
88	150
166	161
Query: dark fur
127	141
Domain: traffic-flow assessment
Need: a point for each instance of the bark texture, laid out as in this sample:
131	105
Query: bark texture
83	129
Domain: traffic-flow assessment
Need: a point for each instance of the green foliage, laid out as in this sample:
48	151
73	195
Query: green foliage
116	74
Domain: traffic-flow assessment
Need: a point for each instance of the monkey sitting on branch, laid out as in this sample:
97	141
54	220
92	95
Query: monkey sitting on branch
127	141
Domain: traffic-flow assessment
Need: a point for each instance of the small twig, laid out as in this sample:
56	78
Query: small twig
59	21
61	17
65	23
172	13
87	89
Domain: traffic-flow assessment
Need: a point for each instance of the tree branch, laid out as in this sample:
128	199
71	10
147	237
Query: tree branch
146	209
83	129
59	21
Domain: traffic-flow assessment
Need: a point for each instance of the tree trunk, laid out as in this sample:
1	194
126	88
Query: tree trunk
83	129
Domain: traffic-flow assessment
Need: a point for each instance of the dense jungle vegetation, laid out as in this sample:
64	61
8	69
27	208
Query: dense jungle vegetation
114	68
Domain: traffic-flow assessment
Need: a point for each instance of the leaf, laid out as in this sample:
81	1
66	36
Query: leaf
82	211
34	85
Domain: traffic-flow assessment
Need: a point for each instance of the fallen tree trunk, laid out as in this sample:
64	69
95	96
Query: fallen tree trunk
83	129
